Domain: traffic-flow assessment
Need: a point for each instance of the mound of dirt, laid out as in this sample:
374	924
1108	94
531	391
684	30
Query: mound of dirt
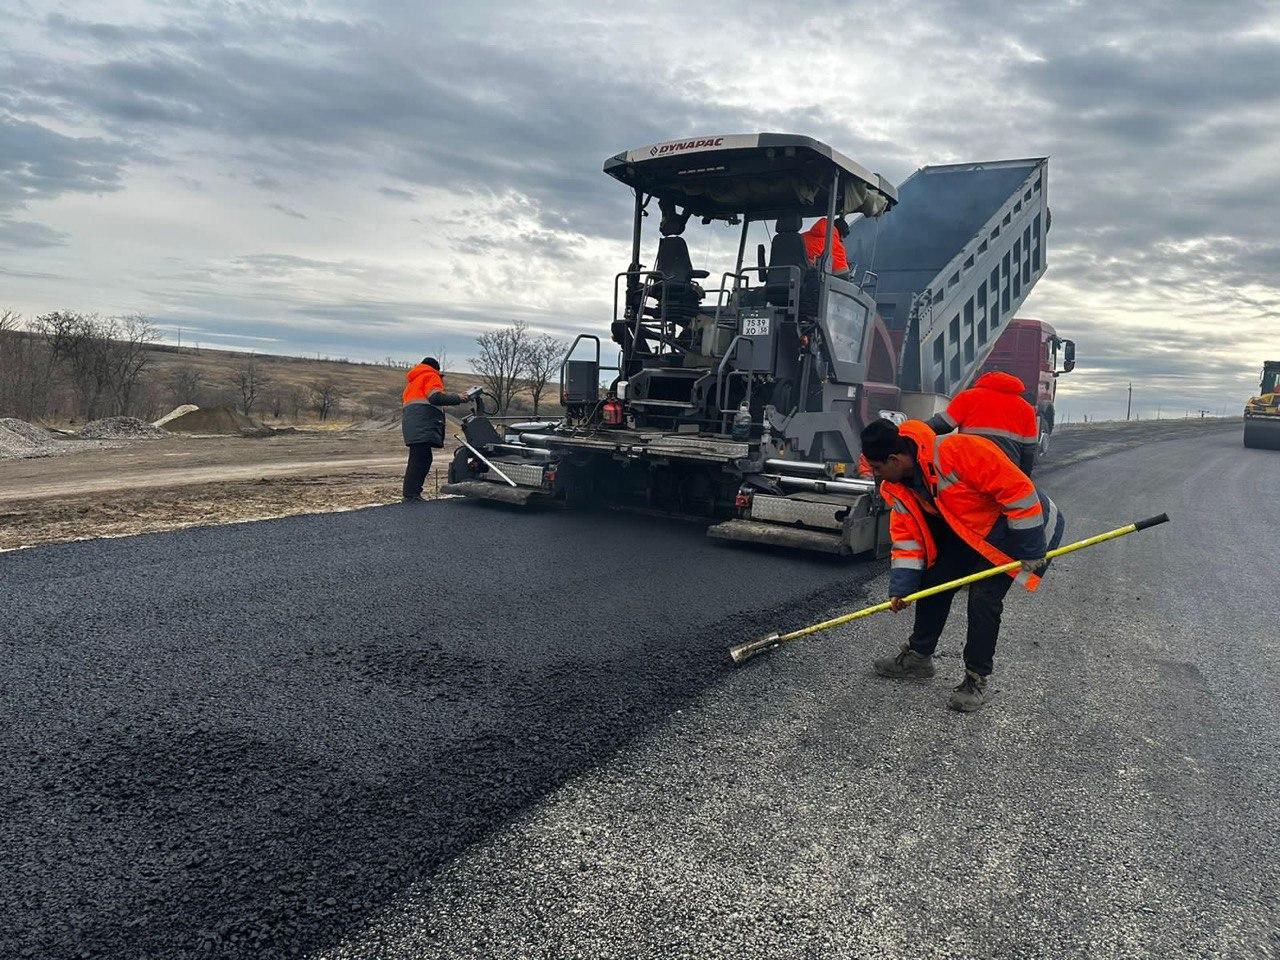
217	420
389	421
121	428
176	412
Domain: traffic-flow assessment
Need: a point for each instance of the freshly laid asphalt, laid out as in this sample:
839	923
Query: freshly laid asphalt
458	731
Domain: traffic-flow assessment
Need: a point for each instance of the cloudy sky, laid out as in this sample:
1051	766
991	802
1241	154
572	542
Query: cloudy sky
371	179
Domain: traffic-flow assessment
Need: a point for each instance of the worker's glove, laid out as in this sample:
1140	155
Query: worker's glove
473	392
1035	566
896	604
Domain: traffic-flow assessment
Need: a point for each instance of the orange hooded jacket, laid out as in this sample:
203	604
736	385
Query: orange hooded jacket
990	504
994	408
420	383
815	238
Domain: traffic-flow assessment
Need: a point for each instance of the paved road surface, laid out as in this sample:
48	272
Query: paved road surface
341	736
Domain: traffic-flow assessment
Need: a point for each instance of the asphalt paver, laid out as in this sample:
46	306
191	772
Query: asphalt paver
447	730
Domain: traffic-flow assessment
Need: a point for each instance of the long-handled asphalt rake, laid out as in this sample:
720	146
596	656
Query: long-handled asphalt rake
745	651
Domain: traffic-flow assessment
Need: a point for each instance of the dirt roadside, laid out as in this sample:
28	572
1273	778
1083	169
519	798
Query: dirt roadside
198	481
185	481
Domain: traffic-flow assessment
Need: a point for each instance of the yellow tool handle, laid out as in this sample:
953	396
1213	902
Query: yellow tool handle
746	650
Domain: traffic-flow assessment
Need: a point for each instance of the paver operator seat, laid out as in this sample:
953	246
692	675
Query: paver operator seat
787	250
677	287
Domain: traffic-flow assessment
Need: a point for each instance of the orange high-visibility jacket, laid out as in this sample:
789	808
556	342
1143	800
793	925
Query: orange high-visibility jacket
994	408
420	383
990	504
815	238
421	421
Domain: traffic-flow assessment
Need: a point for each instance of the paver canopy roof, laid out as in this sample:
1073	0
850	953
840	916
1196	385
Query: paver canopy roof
759	175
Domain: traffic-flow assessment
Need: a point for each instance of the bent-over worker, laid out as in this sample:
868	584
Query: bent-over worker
815	239
422	421
957	506
994	408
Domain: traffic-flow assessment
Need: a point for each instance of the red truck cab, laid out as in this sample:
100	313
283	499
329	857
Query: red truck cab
1031	350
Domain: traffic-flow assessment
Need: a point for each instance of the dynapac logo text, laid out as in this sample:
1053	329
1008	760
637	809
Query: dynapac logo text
679	145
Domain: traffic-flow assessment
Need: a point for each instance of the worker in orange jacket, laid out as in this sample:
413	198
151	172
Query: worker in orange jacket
815	239
957	506
994	408
422	422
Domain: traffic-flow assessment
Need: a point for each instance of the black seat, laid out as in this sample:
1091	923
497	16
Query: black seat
676	287
787	250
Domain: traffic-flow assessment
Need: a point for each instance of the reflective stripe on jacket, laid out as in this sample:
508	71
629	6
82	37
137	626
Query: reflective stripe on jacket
994	408
990	504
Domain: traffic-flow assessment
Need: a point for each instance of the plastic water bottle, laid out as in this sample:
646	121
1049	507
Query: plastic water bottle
742	422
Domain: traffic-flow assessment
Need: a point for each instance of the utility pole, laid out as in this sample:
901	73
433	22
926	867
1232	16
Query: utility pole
1129	405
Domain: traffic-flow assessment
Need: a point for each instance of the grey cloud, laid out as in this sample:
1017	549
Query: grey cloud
396	194
25	235
37	163
288	211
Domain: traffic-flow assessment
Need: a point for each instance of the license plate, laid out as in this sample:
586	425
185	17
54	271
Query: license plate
755	326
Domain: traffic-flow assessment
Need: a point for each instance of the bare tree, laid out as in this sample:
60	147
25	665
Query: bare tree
18	367
502	361
326	394
76	342
249	381
545	354
127	353
185	384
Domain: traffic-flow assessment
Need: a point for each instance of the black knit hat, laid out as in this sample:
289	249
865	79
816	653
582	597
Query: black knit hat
432	362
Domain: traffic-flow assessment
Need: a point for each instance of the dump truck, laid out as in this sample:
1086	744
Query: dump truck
1031	350
740	400
1262	413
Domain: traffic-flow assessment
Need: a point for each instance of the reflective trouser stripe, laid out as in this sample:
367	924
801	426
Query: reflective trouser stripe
1026	523
907	563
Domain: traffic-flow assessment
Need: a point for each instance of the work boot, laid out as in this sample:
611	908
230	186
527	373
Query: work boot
971	695
907	665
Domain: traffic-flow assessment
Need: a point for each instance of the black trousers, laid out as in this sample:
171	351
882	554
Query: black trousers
986	601
415	472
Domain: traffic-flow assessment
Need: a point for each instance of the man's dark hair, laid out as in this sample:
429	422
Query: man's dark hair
880	440
432	362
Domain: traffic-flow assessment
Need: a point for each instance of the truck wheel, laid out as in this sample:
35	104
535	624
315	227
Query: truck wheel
1262	436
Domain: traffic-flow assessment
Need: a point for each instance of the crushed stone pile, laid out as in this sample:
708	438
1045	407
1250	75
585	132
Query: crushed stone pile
217	420
19	439
176	412
121	428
